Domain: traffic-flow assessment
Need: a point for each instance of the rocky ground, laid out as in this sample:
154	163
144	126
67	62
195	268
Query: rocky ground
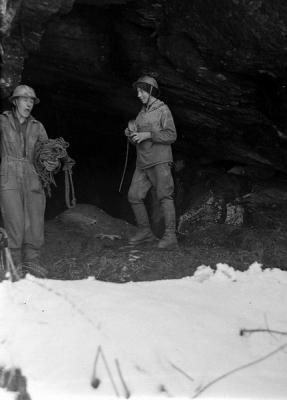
86	241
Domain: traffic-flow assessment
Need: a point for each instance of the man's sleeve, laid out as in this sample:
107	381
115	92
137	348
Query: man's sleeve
167	133
42	132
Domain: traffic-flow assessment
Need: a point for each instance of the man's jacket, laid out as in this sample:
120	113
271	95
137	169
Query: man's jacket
158	120
17	152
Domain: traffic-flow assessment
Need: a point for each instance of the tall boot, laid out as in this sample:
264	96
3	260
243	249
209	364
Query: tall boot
144	233
32	262
169	239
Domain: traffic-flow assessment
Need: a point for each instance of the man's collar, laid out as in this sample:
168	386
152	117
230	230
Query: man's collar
155	104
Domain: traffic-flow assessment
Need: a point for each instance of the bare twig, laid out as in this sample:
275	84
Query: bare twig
126	389
181	371
238	369
244	331
95	382
267	325
109	372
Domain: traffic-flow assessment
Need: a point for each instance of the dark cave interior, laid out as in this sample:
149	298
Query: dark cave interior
77	110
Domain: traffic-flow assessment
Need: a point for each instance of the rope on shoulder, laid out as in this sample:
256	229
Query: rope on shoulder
54	152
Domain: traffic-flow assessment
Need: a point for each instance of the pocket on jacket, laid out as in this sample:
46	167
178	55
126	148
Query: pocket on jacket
34	183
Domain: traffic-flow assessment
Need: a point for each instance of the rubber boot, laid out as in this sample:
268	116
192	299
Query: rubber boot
169	239
144	233
32	262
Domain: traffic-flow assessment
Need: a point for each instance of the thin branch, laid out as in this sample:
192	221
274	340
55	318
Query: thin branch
244	331
95	380
238	369
109	373
126	389
267	324
181	371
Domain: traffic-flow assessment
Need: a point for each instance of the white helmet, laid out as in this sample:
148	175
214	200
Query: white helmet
24	91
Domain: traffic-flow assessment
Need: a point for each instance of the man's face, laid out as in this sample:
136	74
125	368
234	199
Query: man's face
24	106
143	95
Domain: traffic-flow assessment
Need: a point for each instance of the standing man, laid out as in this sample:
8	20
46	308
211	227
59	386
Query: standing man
22	197
152	132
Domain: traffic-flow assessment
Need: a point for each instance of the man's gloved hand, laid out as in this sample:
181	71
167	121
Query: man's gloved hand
128	132
139	137
132	127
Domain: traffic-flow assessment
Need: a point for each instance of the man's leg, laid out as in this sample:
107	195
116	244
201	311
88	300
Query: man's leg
13	219
138	190
163	181
35	203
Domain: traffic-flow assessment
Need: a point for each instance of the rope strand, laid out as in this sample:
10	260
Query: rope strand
125	166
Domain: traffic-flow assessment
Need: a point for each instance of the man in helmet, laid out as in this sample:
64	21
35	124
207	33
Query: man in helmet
153	132
21	194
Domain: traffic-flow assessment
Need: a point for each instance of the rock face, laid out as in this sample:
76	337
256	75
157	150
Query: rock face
221	65
23	23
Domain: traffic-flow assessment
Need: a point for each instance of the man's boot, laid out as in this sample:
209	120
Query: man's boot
32	262
144	233
169	239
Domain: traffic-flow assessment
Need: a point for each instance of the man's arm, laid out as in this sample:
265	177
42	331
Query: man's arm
167	133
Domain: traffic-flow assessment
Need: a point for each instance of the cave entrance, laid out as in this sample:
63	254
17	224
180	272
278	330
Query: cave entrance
86	104
97	144
99	148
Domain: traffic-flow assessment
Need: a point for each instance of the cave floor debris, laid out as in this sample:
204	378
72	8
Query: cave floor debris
76	249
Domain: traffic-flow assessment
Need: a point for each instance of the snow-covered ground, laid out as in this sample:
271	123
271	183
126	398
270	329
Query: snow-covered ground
170	338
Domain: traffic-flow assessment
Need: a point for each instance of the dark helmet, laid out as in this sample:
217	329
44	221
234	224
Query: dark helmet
146	80
148	84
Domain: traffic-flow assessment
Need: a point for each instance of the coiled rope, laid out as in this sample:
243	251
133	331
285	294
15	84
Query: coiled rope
55	151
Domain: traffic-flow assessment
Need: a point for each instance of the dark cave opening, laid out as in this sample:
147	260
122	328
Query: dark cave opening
98	146
79	107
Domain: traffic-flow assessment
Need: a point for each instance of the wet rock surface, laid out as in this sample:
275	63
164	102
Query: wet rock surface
221	66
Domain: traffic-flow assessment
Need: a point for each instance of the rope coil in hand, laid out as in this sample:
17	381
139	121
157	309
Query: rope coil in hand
49	156
132	127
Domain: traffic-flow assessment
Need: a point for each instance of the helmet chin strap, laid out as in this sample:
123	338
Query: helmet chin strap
147	103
